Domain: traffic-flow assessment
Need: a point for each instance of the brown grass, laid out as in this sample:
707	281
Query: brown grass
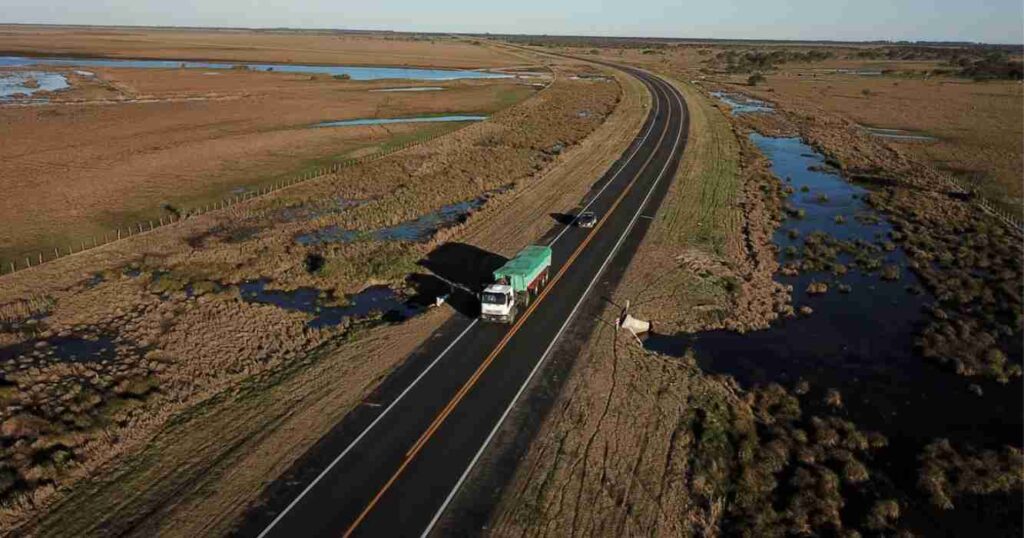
978	124
328	48
71	171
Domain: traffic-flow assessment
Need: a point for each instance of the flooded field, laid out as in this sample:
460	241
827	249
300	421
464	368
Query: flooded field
419	229
741	104
354	73
28	83
374	302
58	349
856	335
387	121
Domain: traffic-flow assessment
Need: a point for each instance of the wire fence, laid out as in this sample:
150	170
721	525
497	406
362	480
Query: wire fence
1011	220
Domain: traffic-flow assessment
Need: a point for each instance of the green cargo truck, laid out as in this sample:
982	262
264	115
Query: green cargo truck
514	283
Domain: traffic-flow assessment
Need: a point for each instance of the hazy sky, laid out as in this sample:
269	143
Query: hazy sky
1000	21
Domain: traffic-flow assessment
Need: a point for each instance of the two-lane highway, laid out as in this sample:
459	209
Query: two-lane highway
393	470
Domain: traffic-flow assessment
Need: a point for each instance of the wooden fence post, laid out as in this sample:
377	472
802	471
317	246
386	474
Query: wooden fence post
40	257
119	233
56	253
12	267
27	262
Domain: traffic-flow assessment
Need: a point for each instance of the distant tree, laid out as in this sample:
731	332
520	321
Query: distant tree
866	92
755	79
343	76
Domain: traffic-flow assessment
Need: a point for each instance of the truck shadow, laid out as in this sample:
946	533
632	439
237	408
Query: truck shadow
564	219
460	270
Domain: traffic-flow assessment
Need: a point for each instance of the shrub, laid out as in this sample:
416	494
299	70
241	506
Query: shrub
755	79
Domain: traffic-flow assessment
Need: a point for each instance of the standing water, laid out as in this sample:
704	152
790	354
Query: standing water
861	342
26	83
354	73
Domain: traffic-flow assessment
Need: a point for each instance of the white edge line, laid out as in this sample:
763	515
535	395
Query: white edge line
543	358
364	432
654	119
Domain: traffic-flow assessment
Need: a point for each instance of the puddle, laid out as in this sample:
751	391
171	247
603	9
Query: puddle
385	121
418	89
309	211
375	300
861	342
354	73
741	104
27	83
62	349
419	229
899	134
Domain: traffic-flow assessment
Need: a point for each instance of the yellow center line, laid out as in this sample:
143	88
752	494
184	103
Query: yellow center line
468	385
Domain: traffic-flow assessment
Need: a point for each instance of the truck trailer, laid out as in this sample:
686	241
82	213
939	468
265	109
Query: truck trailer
514	283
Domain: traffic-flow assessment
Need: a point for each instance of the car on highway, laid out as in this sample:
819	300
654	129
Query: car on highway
587	219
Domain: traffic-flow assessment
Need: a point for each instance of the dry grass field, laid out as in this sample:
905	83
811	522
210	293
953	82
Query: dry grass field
328	48
977	123
85	164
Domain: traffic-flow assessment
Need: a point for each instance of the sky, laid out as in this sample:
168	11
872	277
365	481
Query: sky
991	21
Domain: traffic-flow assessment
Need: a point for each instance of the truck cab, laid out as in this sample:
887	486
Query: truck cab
515	283
498	303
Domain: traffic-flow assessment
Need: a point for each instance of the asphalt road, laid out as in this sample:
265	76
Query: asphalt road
392	467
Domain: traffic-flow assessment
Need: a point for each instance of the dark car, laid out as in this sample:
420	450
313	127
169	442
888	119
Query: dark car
587	219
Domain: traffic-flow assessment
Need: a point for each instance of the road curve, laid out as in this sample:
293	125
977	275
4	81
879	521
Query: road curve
391	469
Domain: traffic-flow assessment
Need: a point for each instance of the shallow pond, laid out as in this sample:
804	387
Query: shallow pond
62	349
741	104
419	229
355	73
386	121
861	343
13	83
375	300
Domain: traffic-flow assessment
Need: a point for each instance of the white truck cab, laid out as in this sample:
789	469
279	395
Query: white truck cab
498	303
